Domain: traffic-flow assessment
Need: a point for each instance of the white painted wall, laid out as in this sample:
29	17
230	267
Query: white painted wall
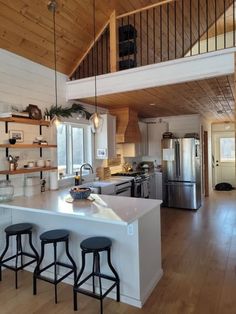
179	125
24	82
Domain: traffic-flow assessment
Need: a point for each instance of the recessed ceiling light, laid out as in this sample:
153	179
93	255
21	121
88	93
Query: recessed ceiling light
152	104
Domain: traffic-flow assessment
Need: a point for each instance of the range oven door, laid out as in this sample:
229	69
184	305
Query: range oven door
123	189
124	192
138	189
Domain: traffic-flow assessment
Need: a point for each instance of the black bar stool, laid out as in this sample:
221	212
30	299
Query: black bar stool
54	237
96	245
18	230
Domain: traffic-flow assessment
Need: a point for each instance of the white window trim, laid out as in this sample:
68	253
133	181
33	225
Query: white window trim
88	146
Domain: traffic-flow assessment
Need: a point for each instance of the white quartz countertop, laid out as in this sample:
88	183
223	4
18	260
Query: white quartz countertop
104	208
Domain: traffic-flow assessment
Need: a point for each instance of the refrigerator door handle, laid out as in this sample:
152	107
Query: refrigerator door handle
176	159
177	164
180	183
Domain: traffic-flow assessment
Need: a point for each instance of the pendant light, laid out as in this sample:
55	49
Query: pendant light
52	7
95	120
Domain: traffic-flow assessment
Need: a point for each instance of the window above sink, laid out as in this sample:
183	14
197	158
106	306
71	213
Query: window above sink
74	147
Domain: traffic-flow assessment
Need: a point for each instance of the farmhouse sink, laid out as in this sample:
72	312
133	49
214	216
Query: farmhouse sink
100	187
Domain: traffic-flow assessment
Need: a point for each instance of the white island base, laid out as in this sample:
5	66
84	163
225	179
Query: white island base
136	243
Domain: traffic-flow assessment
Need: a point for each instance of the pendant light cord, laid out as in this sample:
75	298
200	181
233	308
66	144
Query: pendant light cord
55	52
94	62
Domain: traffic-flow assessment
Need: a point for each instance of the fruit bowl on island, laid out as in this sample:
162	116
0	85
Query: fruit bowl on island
80	193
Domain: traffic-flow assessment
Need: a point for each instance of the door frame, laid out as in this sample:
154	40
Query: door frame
205	163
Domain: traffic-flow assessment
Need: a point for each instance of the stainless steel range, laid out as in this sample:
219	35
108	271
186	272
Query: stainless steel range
140	183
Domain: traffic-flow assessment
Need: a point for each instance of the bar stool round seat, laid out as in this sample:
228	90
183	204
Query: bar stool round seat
95	246
54	237
18	230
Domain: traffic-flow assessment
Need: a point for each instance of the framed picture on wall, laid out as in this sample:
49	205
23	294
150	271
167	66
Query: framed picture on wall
18	135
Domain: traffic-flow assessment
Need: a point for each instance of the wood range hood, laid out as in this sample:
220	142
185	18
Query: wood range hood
127	127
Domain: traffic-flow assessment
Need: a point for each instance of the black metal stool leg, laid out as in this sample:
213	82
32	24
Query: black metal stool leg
32	247
77	280
55	270
101	306
100	282
16	263
115	274
36	270
21	251
71	260
94	270
3	254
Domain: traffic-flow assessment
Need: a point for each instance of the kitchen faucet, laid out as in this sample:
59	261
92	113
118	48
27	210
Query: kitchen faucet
81	168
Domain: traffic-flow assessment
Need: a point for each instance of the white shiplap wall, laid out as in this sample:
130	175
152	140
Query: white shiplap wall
24	82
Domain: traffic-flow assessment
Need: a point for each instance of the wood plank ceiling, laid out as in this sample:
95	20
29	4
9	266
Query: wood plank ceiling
212	98
27	28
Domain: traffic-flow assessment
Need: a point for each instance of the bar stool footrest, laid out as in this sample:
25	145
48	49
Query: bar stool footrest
3	263
50	280
94	295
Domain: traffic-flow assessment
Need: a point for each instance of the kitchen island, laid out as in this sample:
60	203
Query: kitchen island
133	224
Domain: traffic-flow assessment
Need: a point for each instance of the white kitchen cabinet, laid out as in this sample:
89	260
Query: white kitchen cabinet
158	185
155	131
152	186
105	141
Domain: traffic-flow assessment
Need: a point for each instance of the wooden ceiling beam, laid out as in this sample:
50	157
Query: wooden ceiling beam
151	6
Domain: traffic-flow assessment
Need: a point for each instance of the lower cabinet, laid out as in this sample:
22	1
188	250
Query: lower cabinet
155	181
158	182
152	185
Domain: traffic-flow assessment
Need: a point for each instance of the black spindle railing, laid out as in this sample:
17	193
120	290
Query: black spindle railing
163	32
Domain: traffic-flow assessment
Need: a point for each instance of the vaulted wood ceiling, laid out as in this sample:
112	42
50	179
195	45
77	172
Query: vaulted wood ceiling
212	98
27	30
26	27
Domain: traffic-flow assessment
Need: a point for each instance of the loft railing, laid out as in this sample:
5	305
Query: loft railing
160	32
97	59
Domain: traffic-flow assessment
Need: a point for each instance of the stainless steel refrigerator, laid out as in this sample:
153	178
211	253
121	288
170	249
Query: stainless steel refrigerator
181	173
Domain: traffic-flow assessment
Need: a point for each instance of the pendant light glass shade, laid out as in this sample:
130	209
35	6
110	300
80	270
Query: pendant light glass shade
55	121
52	7
96	122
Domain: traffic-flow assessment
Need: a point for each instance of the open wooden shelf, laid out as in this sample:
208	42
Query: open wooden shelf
27	170
27	146
25	121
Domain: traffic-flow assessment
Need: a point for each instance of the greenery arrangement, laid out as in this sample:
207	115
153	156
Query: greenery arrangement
65	112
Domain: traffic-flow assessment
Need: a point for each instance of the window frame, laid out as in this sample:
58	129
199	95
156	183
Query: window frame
220	150
87	148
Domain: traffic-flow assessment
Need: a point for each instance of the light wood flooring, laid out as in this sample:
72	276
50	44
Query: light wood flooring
199	262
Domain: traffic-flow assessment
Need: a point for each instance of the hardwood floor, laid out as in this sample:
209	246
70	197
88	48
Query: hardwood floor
199	263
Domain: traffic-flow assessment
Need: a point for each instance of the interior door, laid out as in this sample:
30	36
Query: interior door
224	158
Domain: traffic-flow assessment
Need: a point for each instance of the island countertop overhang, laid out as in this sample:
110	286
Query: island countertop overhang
105	208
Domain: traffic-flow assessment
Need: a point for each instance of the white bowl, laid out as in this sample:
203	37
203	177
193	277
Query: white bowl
39	138
40	163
